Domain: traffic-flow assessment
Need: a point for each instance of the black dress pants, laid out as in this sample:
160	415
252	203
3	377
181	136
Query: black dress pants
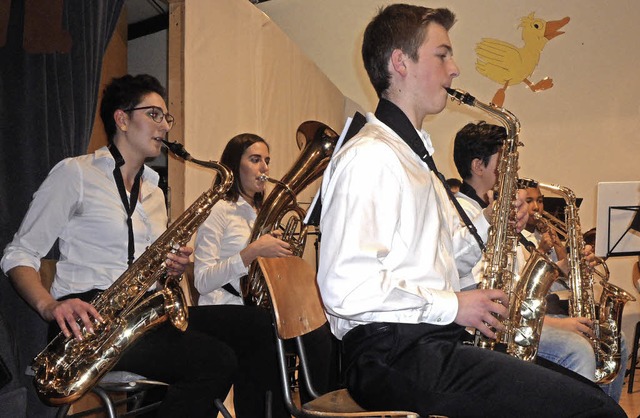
424	368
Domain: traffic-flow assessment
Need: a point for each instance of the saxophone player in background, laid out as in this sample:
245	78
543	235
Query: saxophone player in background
105	208
393	250
557	320
476	149
223	251
563	339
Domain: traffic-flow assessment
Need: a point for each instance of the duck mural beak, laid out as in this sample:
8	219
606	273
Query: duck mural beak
552	26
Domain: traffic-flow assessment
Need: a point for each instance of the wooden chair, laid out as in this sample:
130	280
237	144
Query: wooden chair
297	310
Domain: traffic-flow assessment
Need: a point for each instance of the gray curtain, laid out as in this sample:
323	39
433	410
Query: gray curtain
51	55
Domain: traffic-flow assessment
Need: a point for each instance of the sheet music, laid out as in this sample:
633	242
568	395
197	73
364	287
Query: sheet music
618	203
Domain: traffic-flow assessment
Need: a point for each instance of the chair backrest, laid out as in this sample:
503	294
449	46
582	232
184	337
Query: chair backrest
297	306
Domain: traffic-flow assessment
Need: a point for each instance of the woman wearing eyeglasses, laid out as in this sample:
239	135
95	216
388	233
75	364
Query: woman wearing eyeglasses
105	208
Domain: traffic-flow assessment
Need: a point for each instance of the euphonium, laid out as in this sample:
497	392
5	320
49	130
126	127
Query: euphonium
67	368
317	142
607	314
527	291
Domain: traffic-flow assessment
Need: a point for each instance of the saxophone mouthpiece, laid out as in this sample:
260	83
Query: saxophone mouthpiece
177	149
461	96
264	178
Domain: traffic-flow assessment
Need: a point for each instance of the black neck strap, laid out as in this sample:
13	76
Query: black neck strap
392	116
129	205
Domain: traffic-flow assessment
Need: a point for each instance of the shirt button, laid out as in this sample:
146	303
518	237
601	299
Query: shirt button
438	319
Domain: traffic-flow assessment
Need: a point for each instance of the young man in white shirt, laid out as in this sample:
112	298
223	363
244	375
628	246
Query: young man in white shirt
393	250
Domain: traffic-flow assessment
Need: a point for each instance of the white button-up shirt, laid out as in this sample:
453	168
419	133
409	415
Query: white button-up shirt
220	239
393	246
79	203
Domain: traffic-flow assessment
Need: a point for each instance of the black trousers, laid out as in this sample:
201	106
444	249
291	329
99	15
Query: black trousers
426	369
223	345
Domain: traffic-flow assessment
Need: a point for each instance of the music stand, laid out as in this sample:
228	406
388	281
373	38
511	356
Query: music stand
618	219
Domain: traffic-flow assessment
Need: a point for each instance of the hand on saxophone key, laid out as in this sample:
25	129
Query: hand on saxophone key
590	257
580	325
67	312
482	309
177	262
520	205
522	210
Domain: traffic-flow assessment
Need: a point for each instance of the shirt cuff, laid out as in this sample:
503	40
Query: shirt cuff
237	265
15	259
444	308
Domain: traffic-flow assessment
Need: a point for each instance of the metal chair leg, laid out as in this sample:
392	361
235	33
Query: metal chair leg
106	400
634	358
223	409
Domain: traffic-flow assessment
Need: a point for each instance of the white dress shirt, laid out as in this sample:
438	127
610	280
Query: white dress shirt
473	210
219	241
393	246
79	203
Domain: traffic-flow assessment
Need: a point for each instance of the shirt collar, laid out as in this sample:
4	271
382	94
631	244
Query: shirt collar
469	191
391	115
104	160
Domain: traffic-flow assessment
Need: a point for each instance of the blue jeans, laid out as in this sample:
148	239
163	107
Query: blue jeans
569	350
575	353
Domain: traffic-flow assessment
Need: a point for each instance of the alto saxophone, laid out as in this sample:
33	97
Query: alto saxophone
526	292
68	367
607	314
317	142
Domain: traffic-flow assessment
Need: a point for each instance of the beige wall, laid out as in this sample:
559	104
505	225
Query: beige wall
583	131
243	74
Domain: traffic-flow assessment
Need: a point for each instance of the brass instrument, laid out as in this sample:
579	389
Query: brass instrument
607	314
68	367
526	292
317	142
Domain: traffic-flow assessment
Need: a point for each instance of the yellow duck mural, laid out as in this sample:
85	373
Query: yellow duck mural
509	65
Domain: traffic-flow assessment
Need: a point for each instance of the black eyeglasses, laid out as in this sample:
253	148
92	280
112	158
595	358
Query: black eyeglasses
157	114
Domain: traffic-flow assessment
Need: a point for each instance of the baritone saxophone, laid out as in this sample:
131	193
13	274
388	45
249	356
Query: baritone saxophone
527	291
67	368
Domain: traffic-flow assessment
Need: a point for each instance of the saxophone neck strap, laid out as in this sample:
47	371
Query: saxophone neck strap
392	116
129	204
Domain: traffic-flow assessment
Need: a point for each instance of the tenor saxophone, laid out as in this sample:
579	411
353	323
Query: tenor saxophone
68	367
527	291
607	314
317	142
